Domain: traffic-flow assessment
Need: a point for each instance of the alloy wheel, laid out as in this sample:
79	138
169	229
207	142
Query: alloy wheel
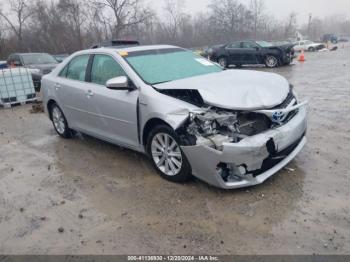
58	120
271	61
166	154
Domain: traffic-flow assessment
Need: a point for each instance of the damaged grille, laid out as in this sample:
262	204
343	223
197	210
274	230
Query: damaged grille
287	101
252	124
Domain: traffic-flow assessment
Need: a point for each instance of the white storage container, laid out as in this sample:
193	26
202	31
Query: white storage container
16	86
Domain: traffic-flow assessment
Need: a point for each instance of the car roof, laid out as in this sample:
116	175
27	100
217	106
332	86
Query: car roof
138	48
130	49
30	53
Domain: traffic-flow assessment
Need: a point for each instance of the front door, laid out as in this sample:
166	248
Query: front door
113	112
250	53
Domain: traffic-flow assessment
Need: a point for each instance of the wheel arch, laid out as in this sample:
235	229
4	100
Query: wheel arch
150	124
49	104
222	56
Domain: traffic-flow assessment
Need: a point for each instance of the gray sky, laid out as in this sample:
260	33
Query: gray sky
280	8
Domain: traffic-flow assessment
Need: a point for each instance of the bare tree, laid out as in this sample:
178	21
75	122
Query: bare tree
75	14
291	25
125	13
229	20
21	11
257	8
65	26
175	15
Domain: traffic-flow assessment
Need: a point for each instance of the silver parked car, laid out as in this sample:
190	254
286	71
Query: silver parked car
230	128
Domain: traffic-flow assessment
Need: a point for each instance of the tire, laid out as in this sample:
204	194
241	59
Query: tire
271	61
171	164
312	49
59	122
238	65
223	62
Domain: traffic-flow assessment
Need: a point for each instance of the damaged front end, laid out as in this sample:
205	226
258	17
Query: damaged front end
233	149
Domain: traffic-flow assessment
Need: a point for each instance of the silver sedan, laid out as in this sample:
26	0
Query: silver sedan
230	128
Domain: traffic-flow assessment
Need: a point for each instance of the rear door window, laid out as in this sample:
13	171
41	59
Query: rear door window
104	68
76	69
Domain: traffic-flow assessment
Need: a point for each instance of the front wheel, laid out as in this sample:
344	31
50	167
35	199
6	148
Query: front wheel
223	62
163	148
59	122
271	61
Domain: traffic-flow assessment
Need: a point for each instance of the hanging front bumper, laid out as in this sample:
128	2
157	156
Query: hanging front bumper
254	159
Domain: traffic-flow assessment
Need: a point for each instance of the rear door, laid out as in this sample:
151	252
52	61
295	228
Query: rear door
234	51
70	89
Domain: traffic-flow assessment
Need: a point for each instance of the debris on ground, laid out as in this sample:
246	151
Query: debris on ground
37	108
289	169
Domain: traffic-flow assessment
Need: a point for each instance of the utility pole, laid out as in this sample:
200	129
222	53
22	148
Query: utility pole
309	25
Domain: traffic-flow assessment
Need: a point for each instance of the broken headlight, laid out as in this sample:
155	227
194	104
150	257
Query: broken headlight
214	127
211	123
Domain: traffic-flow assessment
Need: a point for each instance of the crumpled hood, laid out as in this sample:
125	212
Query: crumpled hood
236	89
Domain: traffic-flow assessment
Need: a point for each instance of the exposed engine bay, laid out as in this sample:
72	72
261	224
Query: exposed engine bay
213	127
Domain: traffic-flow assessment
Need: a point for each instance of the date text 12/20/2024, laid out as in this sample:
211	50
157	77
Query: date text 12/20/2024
173	258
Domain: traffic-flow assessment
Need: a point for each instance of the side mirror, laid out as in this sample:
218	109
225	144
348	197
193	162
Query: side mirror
119	83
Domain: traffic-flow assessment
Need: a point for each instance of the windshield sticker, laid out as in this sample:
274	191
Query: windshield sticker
204	62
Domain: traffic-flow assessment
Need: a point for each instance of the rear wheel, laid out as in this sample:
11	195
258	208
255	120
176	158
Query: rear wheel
59	122
312	49
163	147
271	61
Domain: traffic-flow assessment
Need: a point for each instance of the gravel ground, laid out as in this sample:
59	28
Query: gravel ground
84	196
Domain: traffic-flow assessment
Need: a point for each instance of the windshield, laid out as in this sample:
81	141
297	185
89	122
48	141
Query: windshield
165	65
36	59
264	44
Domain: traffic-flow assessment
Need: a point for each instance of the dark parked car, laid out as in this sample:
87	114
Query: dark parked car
329	38
39	64
343	39
251	52
60	58
119	43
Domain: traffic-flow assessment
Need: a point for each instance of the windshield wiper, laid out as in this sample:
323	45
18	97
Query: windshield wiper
161	82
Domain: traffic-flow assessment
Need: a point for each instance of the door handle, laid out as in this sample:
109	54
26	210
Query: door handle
57	86
89	93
